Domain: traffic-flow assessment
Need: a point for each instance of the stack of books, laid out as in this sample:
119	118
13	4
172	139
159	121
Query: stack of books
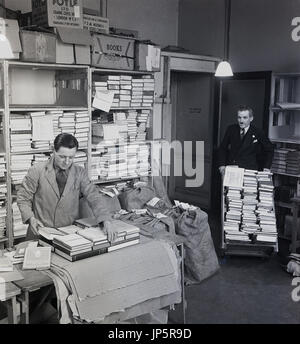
132	159
148	91
279	160
143	166
66	122
72	245
56	114
132	125
19	228
127	234
82	128
249	221
137	92
2	219
38	143
19	167
233	214
293	162
125	90
265	209
80	158
40	157
21	134
3	189
2	167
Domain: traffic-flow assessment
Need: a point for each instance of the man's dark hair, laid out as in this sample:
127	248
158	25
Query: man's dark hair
245	108
65	140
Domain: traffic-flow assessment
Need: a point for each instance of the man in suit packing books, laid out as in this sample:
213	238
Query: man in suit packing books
245	145
50	192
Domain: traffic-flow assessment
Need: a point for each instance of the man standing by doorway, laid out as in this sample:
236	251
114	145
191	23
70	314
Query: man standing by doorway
244	145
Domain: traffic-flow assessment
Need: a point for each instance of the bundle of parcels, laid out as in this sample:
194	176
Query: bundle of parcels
149	208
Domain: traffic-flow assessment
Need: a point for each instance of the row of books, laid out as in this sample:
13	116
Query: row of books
286	160
123	161
3	214
37	130
124	126
22	162
128	91
249	212
85	239
19	229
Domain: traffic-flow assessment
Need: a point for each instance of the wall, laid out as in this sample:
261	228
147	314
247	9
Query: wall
201	26
156	20
260	35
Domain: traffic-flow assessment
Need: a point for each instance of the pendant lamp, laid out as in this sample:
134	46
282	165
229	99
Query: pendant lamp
224	68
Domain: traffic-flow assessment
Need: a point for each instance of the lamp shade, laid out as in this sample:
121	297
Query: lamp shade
224	69
5	48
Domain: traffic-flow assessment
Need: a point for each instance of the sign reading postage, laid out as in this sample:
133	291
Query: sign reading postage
61	13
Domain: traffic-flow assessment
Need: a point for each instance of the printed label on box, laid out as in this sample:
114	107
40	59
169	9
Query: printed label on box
66	13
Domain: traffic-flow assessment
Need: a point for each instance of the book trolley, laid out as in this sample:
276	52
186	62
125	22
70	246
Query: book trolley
248	214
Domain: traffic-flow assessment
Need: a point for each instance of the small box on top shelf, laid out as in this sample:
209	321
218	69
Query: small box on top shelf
58	13
9	28
38	46
147	57
112	52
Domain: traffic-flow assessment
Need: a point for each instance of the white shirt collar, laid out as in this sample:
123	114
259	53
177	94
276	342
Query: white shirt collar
246	129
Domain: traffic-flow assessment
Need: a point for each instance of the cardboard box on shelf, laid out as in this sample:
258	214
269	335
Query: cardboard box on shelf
73	46
58	13
38	46
95	23
112	52
10	29
147	57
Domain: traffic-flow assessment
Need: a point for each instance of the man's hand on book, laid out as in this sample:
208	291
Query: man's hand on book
109	230
35	224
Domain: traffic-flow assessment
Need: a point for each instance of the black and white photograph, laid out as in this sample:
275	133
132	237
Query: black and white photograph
149	165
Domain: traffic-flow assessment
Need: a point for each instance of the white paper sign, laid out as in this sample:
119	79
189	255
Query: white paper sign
42	128
103	100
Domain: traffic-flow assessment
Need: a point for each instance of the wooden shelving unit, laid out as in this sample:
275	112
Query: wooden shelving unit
35	87
284	129
95	74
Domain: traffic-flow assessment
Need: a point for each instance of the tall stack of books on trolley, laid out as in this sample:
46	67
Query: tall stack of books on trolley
86	239
249	213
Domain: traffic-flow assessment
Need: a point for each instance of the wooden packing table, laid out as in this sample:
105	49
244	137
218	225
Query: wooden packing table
33	280
8	295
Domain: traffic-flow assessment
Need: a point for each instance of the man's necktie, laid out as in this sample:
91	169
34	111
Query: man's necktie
61	179
242	133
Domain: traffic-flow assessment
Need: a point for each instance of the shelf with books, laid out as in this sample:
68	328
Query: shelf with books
280	109
286	174
31	108
121	179
120	71
39	102
127	119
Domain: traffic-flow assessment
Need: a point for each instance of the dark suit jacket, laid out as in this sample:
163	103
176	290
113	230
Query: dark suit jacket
254	152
